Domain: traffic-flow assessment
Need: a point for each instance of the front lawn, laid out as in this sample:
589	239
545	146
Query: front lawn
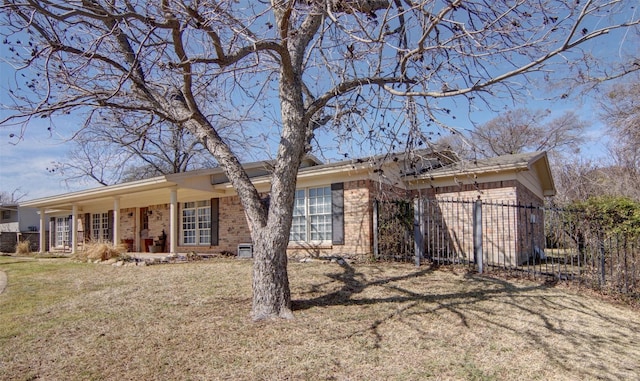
61	320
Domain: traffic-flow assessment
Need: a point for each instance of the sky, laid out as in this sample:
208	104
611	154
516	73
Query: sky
25	163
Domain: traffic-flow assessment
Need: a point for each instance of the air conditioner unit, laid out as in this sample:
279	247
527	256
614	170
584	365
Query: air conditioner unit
245	250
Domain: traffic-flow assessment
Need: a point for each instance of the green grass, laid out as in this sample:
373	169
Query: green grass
61	320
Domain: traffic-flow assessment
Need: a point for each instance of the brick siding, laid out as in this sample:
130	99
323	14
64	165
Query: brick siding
509	236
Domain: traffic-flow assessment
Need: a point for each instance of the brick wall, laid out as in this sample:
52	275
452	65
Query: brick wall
509	237
128	226
234	228
159	221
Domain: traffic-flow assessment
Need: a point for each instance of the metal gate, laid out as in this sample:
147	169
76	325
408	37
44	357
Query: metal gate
393	230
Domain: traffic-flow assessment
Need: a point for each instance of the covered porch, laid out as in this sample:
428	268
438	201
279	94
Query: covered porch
143	214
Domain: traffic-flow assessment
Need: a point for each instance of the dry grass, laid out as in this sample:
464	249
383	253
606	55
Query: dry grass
23	248
100	250
75	321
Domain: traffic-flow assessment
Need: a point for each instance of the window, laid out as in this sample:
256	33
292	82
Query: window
100	226
196	223
6	215
62	231
311	215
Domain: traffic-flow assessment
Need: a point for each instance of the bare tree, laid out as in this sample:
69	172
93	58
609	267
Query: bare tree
578	180
116	146
12	197
621	112
373	70
523	130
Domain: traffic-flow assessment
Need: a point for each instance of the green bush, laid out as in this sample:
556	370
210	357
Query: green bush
615	215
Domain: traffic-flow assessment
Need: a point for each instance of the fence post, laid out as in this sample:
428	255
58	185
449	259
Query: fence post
603	270
418	229
477	233
376	252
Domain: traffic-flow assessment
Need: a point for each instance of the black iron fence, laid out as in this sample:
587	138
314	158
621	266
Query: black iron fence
494	236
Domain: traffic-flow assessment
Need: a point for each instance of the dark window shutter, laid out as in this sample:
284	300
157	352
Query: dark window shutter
87	227
337	214
110	225
53	232
215	221
72	231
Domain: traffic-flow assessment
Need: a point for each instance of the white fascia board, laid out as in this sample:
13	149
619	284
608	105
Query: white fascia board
95	193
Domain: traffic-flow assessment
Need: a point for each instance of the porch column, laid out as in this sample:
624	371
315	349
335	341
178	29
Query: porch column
136	228
173	221
43	231
116	221
74	229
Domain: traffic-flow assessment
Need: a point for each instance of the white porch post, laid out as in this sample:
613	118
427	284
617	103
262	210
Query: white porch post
74	228
116	221
173	221
43	231
137	228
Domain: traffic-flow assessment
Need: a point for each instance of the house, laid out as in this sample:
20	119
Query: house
17	223
334	203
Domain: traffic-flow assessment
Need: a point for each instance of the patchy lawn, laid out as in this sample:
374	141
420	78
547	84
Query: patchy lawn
61	320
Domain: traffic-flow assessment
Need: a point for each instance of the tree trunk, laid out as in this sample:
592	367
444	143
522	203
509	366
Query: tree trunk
271	295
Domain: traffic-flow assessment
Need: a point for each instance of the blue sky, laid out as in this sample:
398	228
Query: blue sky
24	163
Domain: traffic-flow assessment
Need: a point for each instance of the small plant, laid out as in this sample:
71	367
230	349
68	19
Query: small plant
101	250
23	248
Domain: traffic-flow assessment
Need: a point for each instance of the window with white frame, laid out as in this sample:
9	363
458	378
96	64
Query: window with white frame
196	223
62	231
100	226
311	215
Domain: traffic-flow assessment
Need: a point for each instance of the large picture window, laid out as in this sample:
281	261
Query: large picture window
311	215
196	223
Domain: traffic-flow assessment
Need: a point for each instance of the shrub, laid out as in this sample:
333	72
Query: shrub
615	215
23	248
101	250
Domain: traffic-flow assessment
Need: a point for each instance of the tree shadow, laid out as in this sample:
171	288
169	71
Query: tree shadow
570	320
352	286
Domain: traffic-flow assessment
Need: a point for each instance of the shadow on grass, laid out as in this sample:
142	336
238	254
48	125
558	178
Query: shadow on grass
351	286
562	328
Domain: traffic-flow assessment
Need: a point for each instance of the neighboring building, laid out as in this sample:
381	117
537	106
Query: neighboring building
333	213
18	223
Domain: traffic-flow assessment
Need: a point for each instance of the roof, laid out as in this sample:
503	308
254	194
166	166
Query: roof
537	162
8	206
413	167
